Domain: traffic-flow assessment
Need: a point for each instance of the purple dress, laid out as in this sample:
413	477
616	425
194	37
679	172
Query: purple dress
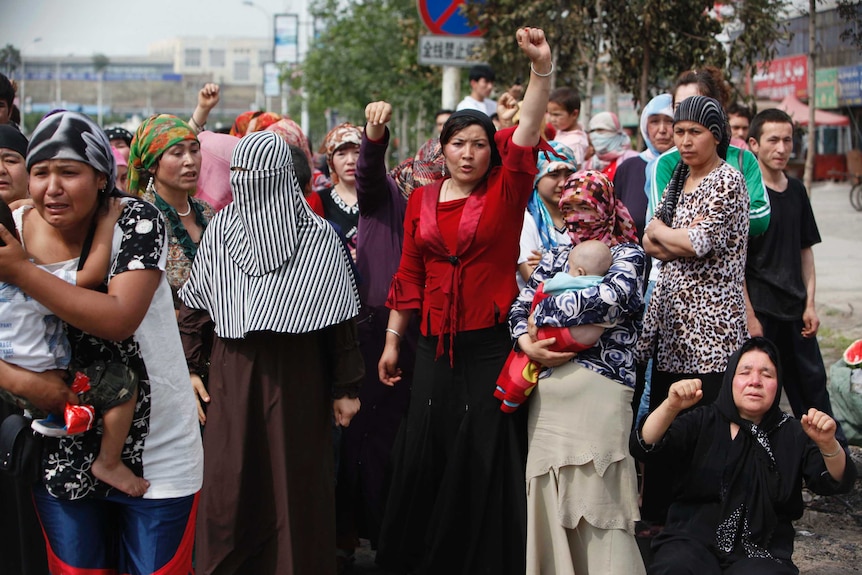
367	443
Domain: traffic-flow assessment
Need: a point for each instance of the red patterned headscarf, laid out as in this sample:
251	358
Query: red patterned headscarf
291	133
262	121
607	219
253	121
240	125
423	169
152	138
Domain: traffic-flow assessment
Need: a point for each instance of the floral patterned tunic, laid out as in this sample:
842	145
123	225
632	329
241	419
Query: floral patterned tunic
163	444
696	316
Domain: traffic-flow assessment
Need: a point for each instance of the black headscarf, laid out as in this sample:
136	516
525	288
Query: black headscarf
12	139
750	483
707	112
119	133
72	136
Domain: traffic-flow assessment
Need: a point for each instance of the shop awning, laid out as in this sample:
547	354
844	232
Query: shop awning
799	112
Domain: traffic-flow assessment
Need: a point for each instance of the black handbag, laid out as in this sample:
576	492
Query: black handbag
20	449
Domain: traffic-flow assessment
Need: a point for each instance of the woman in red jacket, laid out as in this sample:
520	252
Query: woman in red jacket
457	502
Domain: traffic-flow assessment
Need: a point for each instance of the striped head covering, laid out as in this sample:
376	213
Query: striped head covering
423	169
610	223
67	135
291	133
345	134
264	257
708	113
152	139
547	164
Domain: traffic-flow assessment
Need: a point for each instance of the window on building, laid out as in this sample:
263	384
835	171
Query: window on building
193	58
241	71
217	58
265	56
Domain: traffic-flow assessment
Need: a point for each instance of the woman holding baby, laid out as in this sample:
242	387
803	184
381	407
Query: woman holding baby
581	483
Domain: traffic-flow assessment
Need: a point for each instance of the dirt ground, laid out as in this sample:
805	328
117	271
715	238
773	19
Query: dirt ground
829	535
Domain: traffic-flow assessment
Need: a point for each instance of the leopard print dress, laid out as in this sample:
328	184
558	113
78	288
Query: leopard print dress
696	316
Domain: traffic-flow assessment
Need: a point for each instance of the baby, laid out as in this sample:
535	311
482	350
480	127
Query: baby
33	338
588	263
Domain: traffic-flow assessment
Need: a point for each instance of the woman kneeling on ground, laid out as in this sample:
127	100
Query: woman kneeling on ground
742	462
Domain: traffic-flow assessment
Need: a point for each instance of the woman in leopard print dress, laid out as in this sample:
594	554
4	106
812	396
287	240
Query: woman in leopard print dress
696	317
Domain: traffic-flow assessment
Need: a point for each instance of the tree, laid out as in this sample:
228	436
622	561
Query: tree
572	52
10	59
808	174
754	30
851	12
652	41
369	52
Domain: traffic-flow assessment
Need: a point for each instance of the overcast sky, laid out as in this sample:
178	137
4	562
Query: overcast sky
113	28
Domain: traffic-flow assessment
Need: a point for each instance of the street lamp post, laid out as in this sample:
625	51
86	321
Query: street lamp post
269	20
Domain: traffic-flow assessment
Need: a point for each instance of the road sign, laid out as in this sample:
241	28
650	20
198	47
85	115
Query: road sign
444	17
286	38
449	50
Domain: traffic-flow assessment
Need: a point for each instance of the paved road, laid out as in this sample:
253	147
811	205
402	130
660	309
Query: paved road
838	259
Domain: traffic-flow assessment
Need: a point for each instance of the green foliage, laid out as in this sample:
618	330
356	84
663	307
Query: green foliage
851	12
368	52
570	27
10	59
661	39
757	28
100	62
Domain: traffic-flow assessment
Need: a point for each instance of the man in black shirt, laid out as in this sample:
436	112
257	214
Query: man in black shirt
780	269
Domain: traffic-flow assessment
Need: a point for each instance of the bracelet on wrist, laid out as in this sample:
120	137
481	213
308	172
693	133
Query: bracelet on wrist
551	71
390	330
833	454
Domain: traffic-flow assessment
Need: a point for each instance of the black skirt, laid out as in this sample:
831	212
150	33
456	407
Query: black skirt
457	503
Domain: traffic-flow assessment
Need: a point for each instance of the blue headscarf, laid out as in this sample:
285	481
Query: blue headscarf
661	105
547	165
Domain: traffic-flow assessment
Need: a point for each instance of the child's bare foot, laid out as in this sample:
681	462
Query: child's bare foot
119	476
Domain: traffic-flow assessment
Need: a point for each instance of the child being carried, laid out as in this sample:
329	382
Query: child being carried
33	338
589	261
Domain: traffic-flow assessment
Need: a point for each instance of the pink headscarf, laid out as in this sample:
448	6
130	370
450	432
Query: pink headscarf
214	181
119	157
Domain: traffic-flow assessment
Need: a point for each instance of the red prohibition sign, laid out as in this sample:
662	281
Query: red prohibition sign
444	17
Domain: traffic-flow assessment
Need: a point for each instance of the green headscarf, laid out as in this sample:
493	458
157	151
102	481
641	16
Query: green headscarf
152	138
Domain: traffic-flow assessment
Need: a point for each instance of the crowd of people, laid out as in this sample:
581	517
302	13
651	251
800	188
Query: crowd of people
515	352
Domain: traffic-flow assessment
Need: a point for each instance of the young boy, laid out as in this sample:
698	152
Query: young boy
33	338
588	263
481	85
779	271
564	108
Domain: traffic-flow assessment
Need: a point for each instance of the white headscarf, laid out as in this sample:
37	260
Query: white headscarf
267	262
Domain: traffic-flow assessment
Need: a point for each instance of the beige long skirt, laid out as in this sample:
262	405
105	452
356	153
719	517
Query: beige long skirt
581	480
